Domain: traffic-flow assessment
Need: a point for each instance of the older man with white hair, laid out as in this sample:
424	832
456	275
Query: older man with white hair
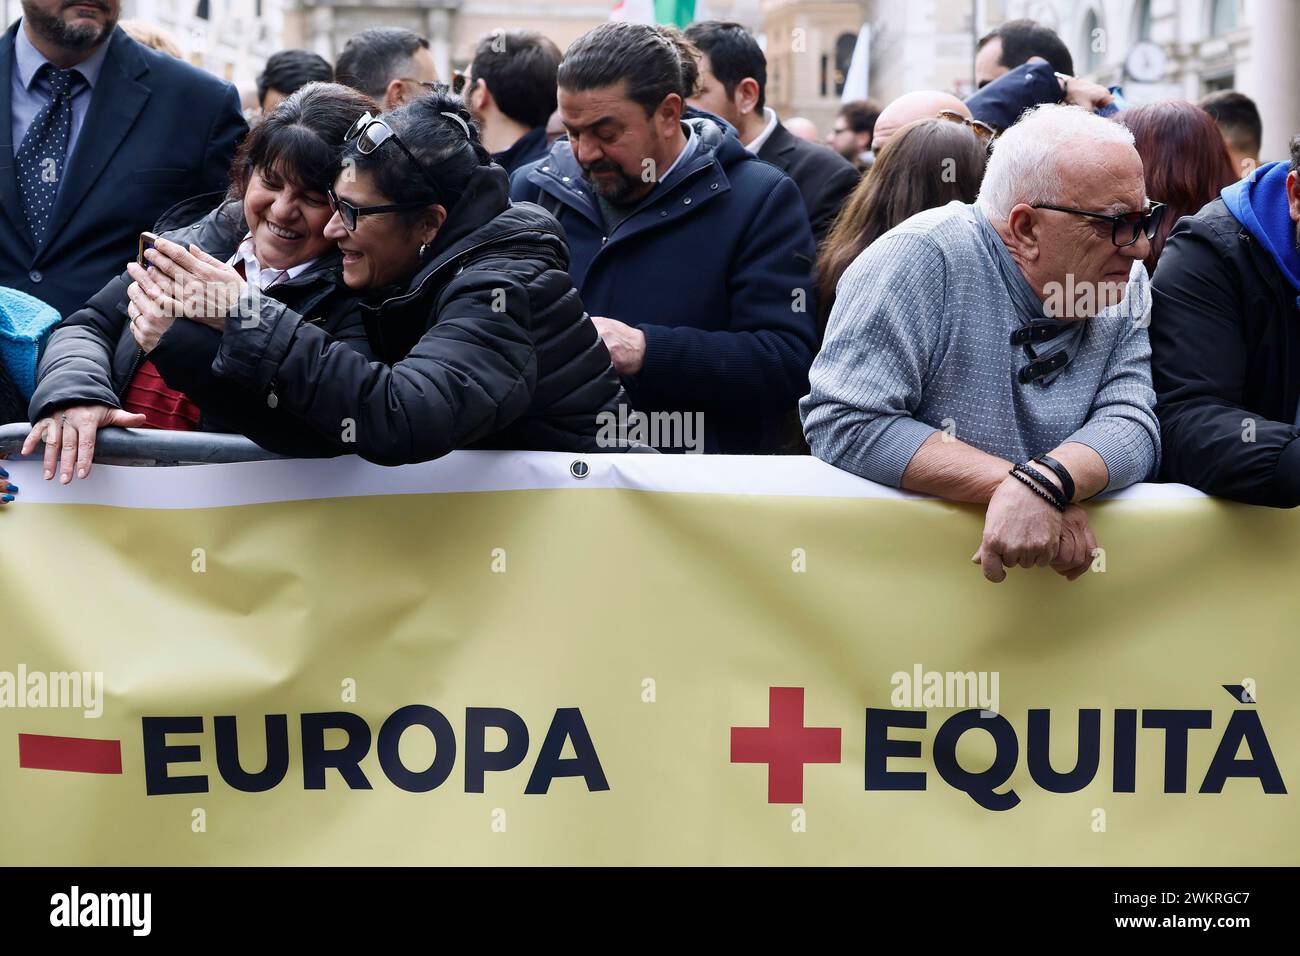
997	353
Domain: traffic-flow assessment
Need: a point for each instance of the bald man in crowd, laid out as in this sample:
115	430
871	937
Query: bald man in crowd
920	104
804	128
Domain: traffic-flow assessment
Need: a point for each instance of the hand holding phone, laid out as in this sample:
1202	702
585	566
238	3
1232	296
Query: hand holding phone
147	240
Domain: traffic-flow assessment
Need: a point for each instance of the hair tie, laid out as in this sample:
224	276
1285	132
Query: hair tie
459	119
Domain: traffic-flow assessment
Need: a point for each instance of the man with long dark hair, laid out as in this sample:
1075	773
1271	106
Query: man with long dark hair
692	254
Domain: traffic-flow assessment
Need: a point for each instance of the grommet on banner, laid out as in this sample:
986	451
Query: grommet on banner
579	469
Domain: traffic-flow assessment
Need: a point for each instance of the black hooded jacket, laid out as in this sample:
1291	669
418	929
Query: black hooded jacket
92	356
488	346
1225	361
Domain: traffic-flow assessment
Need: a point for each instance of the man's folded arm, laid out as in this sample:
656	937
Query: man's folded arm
866	382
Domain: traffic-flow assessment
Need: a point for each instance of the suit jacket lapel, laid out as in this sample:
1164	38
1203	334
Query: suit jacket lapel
9	197
779	148
114	105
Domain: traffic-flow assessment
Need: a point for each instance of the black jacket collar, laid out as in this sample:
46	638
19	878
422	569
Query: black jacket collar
530	146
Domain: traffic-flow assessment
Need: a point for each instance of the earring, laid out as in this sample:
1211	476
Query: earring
423	246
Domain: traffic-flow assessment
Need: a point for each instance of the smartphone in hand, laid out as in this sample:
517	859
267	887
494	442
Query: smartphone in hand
147	240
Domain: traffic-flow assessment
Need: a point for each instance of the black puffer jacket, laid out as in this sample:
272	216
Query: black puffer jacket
488	346
92	356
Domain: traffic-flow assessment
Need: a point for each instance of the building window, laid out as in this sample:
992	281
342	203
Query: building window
1142	21
844	47
826	62
203	12
1212	84
1093	42
1223	17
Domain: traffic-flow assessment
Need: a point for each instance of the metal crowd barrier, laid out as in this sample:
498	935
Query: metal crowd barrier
148	446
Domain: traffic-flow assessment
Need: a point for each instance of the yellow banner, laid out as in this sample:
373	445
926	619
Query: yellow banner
618	661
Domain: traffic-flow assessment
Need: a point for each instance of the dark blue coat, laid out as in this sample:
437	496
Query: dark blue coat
714	268
1001	102
529	147
157	130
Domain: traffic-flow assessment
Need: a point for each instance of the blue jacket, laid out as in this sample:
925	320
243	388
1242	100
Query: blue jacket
157	131
714	268
1260	204
527	148
1001	102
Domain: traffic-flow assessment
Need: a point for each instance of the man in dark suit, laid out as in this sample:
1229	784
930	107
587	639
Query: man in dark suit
733	80
98	136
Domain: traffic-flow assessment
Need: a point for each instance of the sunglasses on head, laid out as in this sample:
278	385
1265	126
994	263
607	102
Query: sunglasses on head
371	132
984	131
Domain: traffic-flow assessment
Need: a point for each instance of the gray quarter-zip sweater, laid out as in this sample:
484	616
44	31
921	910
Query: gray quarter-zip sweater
919	340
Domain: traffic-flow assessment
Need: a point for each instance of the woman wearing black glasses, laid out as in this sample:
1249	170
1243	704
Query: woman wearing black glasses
124	360
481	337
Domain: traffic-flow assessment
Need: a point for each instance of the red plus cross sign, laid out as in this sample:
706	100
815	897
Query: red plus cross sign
785	745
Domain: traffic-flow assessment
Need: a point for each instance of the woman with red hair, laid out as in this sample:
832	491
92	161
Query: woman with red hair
1184	158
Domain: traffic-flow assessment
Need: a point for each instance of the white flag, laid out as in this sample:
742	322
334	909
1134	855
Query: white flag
856	83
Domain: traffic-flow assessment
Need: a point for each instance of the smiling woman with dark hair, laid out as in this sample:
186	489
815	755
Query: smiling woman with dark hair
102	369
481	336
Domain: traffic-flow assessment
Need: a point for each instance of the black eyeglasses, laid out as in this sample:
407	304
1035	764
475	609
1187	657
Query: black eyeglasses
349	214
371	132
1127	226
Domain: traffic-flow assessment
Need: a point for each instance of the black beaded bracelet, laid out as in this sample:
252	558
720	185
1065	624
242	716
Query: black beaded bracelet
1036	490
1057	494
1067	480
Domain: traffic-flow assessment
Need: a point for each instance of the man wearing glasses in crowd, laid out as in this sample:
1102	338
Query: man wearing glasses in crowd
390	65
997	353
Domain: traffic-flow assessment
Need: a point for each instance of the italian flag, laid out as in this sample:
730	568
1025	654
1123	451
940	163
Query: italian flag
676	13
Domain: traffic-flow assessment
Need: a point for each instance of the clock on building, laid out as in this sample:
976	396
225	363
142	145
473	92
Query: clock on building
1146	62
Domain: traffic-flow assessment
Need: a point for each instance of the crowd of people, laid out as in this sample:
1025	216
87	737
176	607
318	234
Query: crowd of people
1019	299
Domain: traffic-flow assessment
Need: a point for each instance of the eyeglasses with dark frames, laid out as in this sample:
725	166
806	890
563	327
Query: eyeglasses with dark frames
349	214
1127	226
371	132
